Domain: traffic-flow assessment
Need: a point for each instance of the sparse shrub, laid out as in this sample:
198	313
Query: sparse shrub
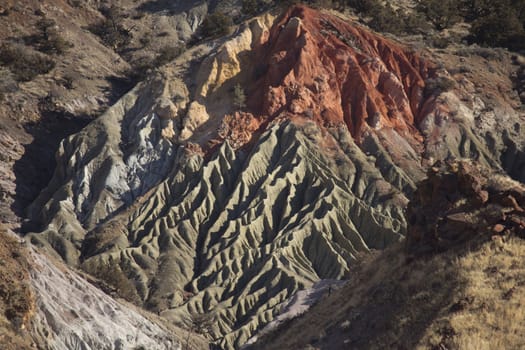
286	3
215	25
239	98
112	274
249	7
145	40
75	3
501	28
324	4
495	23
441	13
440	42
386	19
8	83
138	15
383	17
415	23
167	54
364	6
24	63
472	9
69	79
435	86
49	39
140	69
111	30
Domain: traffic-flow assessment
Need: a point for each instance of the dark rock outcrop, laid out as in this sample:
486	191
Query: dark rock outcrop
461	201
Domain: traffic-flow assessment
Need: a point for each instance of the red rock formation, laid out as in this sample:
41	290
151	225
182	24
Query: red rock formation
318	66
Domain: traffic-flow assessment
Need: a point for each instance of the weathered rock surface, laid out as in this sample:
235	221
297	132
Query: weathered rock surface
461	201
206	209
73	314
325	68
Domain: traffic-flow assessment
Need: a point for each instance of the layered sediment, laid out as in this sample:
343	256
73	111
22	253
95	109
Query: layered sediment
208	207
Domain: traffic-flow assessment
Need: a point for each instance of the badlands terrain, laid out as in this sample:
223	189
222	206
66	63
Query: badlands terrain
280	177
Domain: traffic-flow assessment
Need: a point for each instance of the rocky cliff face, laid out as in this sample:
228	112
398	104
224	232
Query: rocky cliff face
203	206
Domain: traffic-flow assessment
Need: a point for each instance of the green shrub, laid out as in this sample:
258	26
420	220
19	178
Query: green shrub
239	98
215	25
111	30
441	13
365	6
501	28
383	17
495	23
386	19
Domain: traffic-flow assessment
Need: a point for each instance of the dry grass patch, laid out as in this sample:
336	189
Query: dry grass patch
464	298
16	300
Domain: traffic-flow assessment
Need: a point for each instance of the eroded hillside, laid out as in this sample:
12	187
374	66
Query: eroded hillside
455	284
62	63
255	165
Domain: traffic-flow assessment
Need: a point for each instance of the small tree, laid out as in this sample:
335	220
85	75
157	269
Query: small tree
198	323
501	28
239	98
442	13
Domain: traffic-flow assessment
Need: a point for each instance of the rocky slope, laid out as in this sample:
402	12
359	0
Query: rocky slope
454	284
85	74
204	206
46	305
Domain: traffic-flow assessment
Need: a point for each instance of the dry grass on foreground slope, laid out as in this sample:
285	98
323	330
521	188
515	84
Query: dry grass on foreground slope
16	300
459	287
465	298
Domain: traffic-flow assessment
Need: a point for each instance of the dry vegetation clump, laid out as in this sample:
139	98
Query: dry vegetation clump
23	62
489	312
16	300
112	278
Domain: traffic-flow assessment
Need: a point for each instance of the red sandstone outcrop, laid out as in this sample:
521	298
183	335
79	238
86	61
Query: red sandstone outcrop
318	66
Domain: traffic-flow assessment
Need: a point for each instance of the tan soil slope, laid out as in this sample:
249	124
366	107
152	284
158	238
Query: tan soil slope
17	301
